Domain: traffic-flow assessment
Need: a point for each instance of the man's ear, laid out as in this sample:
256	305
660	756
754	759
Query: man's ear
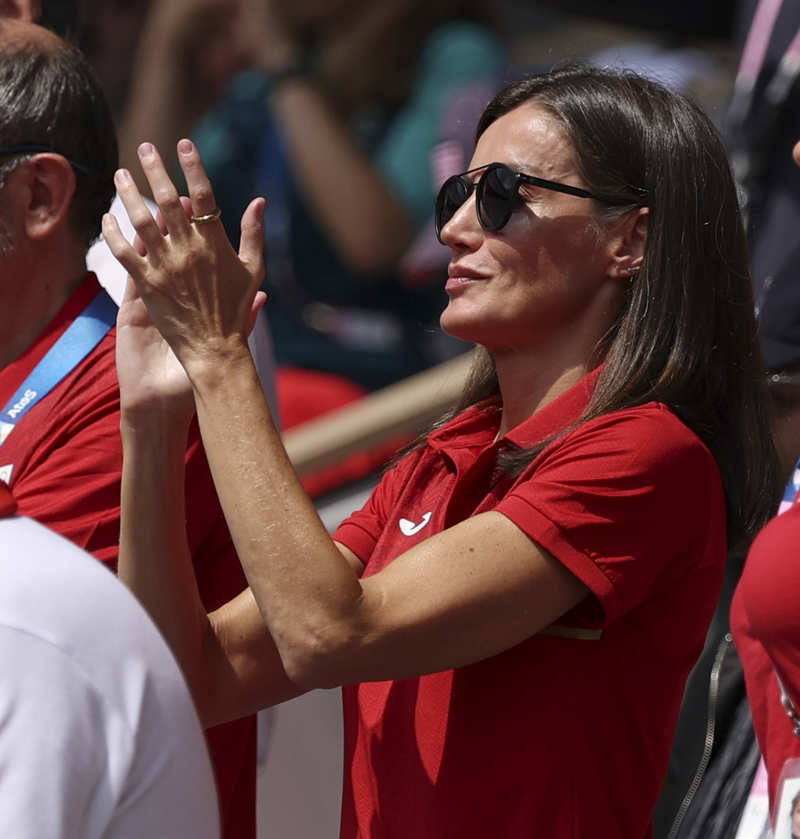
627	240
50	183
28	10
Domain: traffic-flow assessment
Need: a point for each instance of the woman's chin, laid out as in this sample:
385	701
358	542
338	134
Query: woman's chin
464	325
473	330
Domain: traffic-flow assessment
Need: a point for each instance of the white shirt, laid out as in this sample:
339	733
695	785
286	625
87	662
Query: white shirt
98	734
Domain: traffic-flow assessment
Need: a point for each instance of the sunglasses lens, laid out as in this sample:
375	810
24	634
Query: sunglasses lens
497	191
452	195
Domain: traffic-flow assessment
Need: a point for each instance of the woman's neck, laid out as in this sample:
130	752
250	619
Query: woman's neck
526	386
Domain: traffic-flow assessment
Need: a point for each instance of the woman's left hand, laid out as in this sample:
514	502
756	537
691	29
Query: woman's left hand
152	384
200	294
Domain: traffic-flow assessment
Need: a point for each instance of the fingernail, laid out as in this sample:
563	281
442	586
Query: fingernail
185	147
146	150
122	177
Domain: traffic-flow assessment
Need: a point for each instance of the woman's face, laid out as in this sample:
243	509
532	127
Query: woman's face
796	820
543	279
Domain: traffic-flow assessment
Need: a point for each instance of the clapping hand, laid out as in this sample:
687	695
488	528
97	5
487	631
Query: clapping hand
188	284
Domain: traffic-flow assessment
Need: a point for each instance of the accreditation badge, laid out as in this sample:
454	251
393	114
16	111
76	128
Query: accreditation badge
786	813
754	822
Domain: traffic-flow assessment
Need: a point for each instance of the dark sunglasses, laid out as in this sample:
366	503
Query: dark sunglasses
496	195
38	148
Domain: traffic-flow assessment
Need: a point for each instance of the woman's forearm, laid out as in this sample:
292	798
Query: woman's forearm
154	557
228	658
306	590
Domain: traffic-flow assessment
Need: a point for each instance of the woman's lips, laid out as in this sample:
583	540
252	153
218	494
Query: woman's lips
461	275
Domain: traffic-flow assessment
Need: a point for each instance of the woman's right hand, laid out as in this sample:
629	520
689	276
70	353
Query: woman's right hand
199	293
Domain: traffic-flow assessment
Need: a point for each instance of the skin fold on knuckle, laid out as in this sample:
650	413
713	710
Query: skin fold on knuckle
140	219
203	197
167	198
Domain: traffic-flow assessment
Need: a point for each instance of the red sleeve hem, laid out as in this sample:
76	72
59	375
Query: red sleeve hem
549	536
358	540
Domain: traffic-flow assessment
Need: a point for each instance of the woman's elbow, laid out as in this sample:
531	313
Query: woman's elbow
320	659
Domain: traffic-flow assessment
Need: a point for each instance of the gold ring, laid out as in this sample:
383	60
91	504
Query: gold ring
208	217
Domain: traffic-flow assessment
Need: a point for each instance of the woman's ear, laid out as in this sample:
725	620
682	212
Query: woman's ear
627	240
50	185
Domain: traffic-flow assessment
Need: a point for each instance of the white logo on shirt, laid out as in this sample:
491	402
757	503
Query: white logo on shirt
5	429
408	528
5	473
27	398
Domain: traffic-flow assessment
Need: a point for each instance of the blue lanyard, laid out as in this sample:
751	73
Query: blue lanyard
82	336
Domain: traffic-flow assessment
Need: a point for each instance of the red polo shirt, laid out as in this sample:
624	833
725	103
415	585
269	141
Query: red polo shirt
64	460
568	733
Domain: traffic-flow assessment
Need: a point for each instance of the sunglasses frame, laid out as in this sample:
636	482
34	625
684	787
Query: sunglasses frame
519	179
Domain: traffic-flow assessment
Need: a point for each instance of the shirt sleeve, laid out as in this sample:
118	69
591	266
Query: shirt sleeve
52	752
360	531
628	503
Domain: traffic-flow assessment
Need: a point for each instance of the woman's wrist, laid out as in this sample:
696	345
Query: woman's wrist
209	369
159	426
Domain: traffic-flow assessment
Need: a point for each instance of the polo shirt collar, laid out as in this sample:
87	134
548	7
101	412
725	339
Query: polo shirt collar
557	415
477	426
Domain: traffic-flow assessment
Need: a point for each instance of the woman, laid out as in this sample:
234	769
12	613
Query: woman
503	609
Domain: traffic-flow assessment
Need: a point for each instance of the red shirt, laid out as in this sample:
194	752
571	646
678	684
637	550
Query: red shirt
65	458
7	504
767	633
566	734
